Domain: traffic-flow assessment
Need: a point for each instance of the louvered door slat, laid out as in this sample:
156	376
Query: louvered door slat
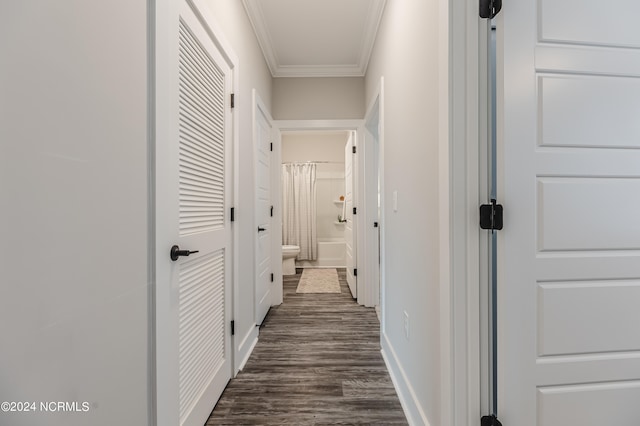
207	140
198	170
201	137
202	61
204	177
199	132
201	327
201	141
194	98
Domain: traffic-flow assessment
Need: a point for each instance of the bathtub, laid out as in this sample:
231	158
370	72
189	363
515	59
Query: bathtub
332	253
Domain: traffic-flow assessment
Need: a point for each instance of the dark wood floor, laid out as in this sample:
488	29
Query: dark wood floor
317	362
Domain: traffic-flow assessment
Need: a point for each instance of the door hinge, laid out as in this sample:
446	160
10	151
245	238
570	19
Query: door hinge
271	277
353	149
375	224
271	146
233	327
233	100
490	8
355	210
491	216
233	214
355	272
490	421
271	211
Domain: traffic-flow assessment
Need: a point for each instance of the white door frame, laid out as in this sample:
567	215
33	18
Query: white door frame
350	202
276	220
373	267
164	393
461	133
324	125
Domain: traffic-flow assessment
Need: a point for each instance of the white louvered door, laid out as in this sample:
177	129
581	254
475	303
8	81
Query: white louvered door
193	190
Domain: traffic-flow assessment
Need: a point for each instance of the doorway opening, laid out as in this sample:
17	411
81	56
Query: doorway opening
314	197
365	198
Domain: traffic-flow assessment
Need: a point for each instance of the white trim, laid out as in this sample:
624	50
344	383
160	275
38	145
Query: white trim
369	255
258	22
318	71
296	125
459	236
446	349
358	165
408	399
383	232
235	226
374	17
215	32
245	348
484	116
256	17
276	222
151	210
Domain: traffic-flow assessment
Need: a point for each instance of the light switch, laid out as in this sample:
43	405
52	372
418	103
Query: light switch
395	200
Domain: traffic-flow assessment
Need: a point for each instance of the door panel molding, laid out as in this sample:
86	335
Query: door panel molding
265	256
567	147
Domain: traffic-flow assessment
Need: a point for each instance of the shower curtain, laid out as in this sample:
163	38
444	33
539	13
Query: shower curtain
299	208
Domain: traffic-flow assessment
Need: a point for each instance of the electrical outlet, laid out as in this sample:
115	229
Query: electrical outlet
406	324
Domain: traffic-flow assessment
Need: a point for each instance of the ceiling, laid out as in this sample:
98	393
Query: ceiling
316	38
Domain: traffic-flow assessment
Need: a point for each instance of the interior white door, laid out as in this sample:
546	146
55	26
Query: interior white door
276	218
193	195
263	212
350	225
371	186
569	254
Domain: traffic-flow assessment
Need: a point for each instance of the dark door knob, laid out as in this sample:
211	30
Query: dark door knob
176	252
260	229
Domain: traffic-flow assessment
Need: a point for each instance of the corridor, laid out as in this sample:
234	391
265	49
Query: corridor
317	362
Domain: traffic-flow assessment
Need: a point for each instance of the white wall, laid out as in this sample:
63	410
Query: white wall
318	98
254	73
312	145
406	54
322	146
330	186
74	292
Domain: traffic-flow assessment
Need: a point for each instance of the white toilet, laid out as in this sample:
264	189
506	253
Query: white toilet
289	254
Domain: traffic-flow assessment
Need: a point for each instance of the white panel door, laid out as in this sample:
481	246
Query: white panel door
569	254
276	219
193	193
263	212
350	224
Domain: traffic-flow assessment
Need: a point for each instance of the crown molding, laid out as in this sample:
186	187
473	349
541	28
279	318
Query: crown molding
374	17
256	17
254	9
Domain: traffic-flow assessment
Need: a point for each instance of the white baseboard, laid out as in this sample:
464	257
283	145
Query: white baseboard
245	348
410	404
